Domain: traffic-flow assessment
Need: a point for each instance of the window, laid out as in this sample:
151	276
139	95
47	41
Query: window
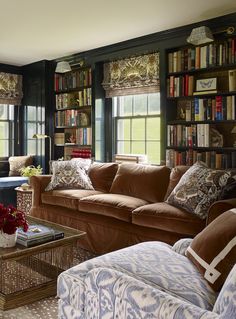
34	124
6	130
99	130
137	125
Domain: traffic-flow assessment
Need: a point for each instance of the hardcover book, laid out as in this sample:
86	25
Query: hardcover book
232	80
37	234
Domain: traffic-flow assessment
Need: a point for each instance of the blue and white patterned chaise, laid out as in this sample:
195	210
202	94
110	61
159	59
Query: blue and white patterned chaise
148	280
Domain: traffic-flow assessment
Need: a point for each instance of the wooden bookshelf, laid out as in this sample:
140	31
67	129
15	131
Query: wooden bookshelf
73	112
200	122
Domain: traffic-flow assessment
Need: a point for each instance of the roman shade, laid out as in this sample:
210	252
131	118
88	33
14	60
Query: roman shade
134	75
10	88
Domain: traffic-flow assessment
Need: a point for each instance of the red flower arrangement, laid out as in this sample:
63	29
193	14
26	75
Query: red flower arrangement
11	219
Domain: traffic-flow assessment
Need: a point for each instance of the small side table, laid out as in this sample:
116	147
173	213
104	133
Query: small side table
24	199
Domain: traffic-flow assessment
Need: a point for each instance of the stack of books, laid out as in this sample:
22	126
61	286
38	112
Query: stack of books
131	158
37	234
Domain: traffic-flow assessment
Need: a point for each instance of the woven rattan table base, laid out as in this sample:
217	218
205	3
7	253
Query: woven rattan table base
30	274
47	307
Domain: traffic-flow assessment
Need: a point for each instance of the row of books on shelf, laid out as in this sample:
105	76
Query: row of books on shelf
81	153
80	136
76	152
72	118
80	98
198	135
72	80
38	234
207	109
199	57
180	85
211	158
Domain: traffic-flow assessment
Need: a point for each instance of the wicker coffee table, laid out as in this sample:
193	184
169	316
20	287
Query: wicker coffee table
30	274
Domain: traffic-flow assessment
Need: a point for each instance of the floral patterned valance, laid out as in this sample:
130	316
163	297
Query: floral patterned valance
133	75
10	88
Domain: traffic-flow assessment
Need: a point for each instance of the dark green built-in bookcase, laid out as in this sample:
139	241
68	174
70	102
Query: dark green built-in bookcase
72	120
201	104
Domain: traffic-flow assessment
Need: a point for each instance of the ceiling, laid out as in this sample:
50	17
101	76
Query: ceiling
32	30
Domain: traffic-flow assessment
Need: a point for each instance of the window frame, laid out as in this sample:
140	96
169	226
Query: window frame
11	129
116	117
40	123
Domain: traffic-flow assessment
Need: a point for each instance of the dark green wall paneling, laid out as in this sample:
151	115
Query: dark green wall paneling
38	86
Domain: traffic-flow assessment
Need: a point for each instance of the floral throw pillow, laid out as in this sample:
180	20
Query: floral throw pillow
198	188
69	174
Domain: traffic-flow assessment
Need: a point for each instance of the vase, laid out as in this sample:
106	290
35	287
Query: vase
7	240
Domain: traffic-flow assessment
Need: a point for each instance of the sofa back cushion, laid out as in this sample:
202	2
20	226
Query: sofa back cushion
102	175
176	173
213	251
146	182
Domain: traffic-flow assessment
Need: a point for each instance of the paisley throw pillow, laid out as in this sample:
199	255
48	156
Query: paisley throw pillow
69	174
198	188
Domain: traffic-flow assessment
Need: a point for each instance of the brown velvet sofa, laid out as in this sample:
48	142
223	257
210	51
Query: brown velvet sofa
127	206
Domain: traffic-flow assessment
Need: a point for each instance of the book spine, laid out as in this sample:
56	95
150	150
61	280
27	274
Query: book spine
33	242
233	107
218	114
197	58
218	161
232	80
209	109
196	109
58	235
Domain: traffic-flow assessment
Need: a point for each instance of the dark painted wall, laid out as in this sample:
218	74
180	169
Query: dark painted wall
38	77
38	86
160	41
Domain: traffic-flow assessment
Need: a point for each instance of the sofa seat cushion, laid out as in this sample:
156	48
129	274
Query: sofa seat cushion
166	217
68	198
113	205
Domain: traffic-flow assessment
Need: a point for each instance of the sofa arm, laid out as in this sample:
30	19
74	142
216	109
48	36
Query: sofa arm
220	207
114	293
38	184
181	245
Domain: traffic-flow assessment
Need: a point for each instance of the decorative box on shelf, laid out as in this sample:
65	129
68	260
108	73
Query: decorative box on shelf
24	199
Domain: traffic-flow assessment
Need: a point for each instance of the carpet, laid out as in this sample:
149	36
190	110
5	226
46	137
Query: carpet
45	308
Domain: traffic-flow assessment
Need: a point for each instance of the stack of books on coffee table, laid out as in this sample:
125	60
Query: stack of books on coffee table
37	234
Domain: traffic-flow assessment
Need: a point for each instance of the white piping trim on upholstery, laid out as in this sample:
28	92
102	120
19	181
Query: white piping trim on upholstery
212	274
233	210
